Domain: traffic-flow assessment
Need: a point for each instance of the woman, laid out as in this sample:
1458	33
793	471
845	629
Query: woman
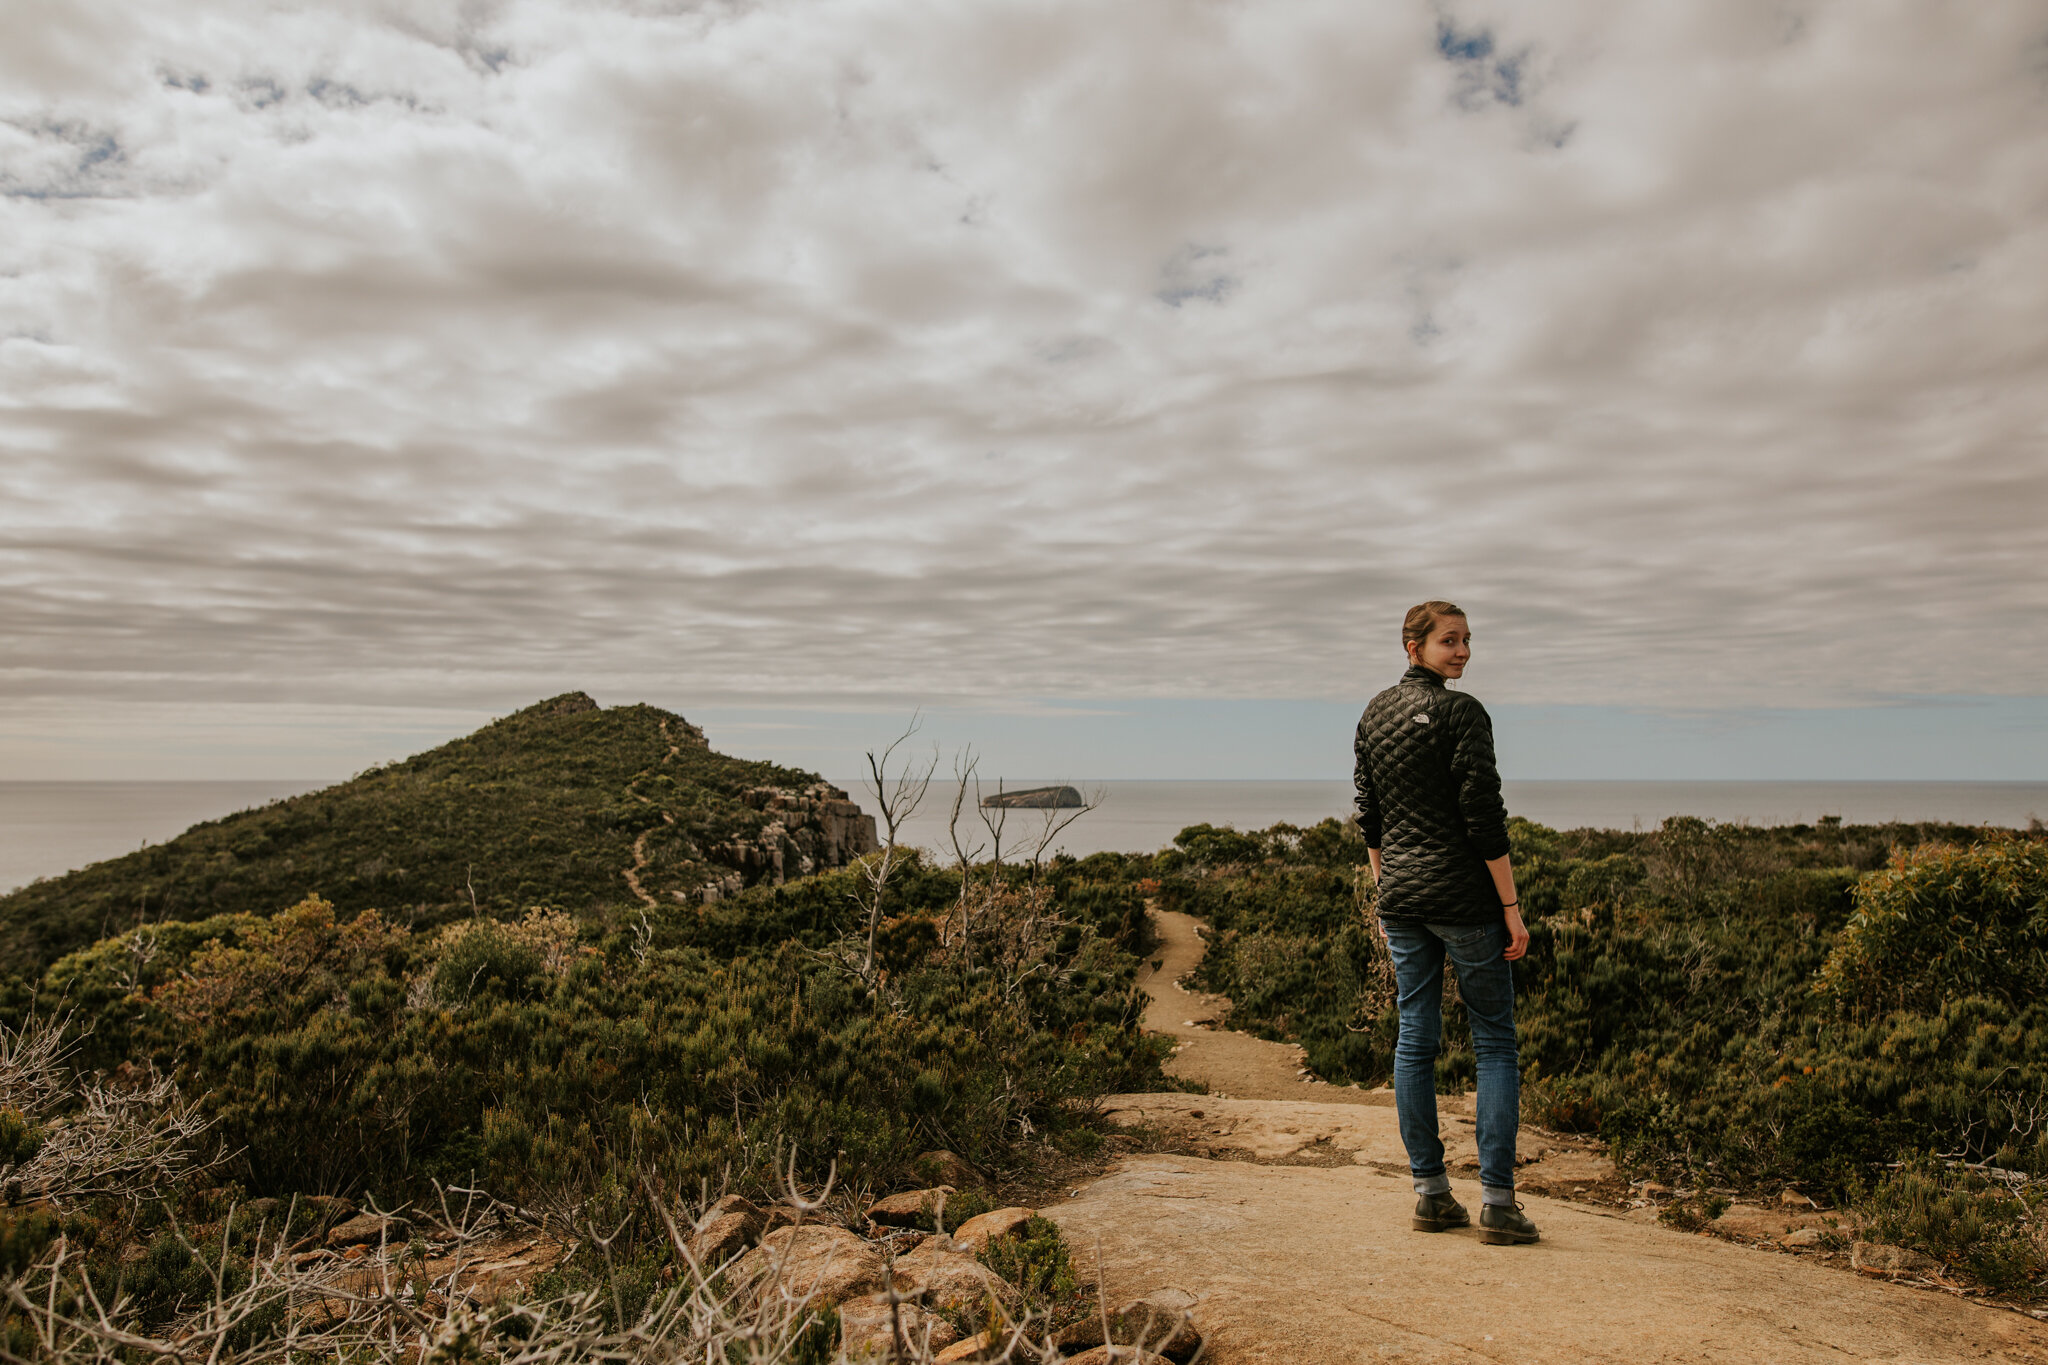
1436	830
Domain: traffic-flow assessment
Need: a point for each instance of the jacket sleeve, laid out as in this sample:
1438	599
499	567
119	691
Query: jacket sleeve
1369	821
1478	782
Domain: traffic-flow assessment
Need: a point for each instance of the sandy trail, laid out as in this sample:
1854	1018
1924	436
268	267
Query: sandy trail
1312	1261
1233	1064
640	859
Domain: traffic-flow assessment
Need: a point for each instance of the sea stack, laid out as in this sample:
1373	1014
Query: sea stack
1037	798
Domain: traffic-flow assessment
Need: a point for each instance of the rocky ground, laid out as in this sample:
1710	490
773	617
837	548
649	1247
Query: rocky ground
1278	1207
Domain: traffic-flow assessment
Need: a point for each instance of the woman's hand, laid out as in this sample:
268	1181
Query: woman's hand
1503	872
1518	936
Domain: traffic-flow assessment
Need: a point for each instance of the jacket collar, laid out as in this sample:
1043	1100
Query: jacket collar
1418	674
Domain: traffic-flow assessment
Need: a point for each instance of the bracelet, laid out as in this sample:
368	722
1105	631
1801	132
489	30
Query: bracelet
1509	905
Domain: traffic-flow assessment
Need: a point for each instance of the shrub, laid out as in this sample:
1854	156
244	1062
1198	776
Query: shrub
1038	1263
1965	1220
1695	1213
1944	922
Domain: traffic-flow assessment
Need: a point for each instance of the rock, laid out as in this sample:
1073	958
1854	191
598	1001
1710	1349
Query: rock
1769	1224
326	1208
1655	1190
367	1229
910	1209
867	1328
951	1171
1880	1258
1805	1237
979	1231
1793	1199
969	1348
727	1228
826	1264
817	827
1079	1336
1116	1355
947	1277
264	1211
1160	1322
1036	798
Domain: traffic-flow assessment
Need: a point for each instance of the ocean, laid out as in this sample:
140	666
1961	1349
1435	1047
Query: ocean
49	828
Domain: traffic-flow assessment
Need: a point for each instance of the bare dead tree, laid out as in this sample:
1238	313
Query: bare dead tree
1056	820
964	856
995	824
899	787
93	1138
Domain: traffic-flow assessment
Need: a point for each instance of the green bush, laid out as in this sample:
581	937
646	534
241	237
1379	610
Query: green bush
1965	1220
1942	923
1038	1263
358	1057
1695	1213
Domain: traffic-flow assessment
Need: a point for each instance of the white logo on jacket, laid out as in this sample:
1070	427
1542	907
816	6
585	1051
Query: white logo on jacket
1422	717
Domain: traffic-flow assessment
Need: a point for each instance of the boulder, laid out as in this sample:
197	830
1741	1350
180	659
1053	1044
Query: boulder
828	1265
945	1168
367	1229
867	1328
945	1276
730	1226
1805	1237
1160	1322
979	1231
911	1208
1880	1258
1079	1336
1116	1355
967	1348
1768	1224
325	1208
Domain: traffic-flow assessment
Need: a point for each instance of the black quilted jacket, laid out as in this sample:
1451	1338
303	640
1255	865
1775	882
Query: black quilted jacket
1429	800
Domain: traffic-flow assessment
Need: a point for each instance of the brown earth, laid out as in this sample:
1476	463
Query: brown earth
1292	1234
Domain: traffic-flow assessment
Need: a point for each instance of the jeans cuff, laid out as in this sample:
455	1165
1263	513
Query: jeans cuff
1433	1184
1503	1195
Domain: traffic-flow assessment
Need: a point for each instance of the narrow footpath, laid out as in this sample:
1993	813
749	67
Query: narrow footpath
1292	1234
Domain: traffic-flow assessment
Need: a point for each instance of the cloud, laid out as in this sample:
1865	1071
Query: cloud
446	355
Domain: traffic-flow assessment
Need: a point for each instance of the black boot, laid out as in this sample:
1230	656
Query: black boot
1435	1212
1503	1225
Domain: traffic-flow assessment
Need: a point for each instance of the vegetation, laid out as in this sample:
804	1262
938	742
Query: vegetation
1853	1010
566	1069
543	807
556	1041
436	976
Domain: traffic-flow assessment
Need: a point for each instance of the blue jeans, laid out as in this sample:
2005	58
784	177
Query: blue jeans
1486	983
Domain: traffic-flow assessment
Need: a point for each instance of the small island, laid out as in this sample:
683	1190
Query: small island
1037	798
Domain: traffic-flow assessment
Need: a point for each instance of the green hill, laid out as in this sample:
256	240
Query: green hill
553	805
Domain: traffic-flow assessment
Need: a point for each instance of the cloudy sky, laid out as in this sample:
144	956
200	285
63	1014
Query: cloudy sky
1104	378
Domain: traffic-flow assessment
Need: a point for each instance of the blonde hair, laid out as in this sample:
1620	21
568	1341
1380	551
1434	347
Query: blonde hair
1421	620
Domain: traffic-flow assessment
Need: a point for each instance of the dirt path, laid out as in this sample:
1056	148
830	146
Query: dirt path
1297	1245
1233	1064
639	864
